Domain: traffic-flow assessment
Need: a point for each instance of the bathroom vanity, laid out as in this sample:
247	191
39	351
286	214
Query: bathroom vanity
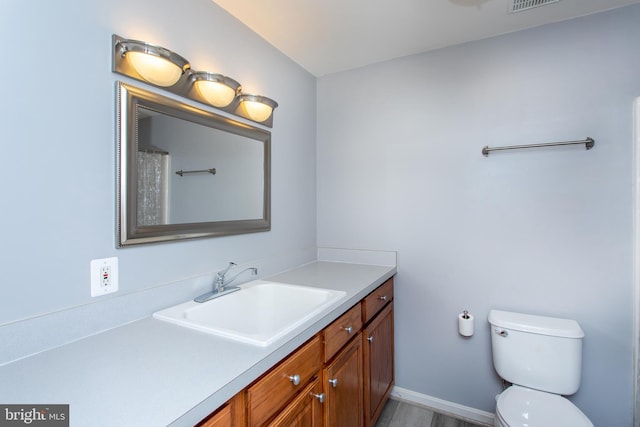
341	376
153	372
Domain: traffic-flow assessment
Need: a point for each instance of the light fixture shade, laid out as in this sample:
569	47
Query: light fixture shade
163	68
216	89
154	64
257	107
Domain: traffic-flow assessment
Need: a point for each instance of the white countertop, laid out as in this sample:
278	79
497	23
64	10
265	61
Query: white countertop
154	373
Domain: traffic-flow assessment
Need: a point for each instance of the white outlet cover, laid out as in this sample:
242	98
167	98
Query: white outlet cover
97	265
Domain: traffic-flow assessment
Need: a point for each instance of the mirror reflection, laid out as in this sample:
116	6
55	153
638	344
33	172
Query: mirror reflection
186	172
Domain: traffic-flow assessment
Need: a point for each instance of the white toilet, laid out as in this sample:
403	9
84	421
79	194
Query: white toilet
542	358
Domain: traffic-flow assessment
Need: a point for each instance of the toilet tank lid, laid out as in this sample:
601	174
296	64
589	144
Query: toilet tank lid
536	324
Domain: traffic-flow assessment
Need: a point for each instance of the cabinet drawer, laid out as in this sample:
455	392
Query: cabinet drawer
267	396
341	330
376	300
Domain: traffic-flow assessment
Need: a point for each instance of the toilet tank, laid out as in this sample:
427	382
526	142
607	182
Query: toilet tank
543	353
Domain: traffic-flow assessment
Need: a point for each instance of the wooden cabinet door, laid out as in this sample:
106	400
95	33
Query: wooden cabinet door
231	414
378	364
304	411
223	418
342	380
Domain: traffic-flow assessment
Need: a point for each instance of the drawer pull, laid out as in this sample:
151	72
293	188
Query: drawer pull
334	382
320	397
382	298
295	379
348	329
370	339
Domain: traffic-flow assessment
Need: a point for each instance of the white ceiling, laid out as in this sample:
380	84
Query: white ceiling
327	36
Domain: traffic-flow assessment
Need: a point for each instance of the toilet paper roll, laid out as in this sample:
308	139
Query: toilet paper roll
465	324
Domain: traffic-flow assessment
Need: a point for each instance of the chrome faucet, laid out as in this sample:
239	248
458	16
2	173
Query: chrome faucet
220	284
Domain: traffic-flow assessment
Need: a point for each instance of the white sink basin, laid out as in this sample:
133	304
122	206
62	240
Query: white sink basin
259	314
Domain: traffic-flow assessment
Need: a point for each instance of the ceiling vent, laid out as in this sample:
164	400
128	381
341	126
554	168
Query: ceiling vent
520	5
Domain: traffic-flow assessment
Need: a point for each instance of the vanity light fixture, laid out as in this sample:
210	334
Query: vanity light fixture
154	64
166	69
257	107
216	89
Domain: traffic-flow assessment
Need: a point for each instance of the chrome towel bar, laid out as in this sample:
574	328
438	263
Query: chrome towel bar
212	171
588	144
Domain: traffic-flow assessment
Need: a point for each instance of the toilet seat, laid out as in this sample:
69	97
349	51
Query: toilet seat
522	407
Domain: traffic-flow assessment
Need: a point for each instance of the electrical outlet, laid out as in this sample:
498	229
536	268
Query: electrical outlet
104	276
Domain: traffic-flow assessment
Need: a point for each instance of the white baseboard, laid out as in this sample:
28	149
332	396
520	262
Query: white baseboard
459	411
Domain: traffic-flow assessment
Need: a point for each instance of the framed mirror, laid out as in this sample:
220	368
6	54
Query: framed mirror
185	173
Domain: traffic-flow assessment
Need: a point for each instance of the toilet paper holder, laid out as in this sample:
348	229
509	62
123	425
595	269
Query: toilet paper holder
465	324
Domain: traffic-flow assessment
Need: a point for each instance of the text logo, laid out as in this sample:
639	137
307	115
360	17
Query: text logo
34	415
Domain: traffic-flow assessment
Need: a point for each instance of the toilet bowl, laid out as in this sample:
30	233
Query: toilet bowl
522	407
542	358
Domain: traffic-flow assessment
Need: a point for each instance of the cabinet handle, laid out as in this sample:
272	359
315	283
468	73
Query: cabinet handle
334	382
320	397
295	379
348	329
382	298
370	339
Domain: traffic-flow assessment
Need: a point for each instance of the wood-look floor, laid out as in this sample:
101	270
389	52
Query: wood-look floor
401	414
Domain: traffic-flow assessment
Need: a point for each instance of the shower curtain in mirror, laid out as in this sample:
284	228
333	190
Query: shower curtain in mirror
152	188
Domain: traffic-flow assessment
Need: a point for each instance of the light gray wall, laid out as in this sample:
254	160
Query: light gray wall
399	168
544	232
58	161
